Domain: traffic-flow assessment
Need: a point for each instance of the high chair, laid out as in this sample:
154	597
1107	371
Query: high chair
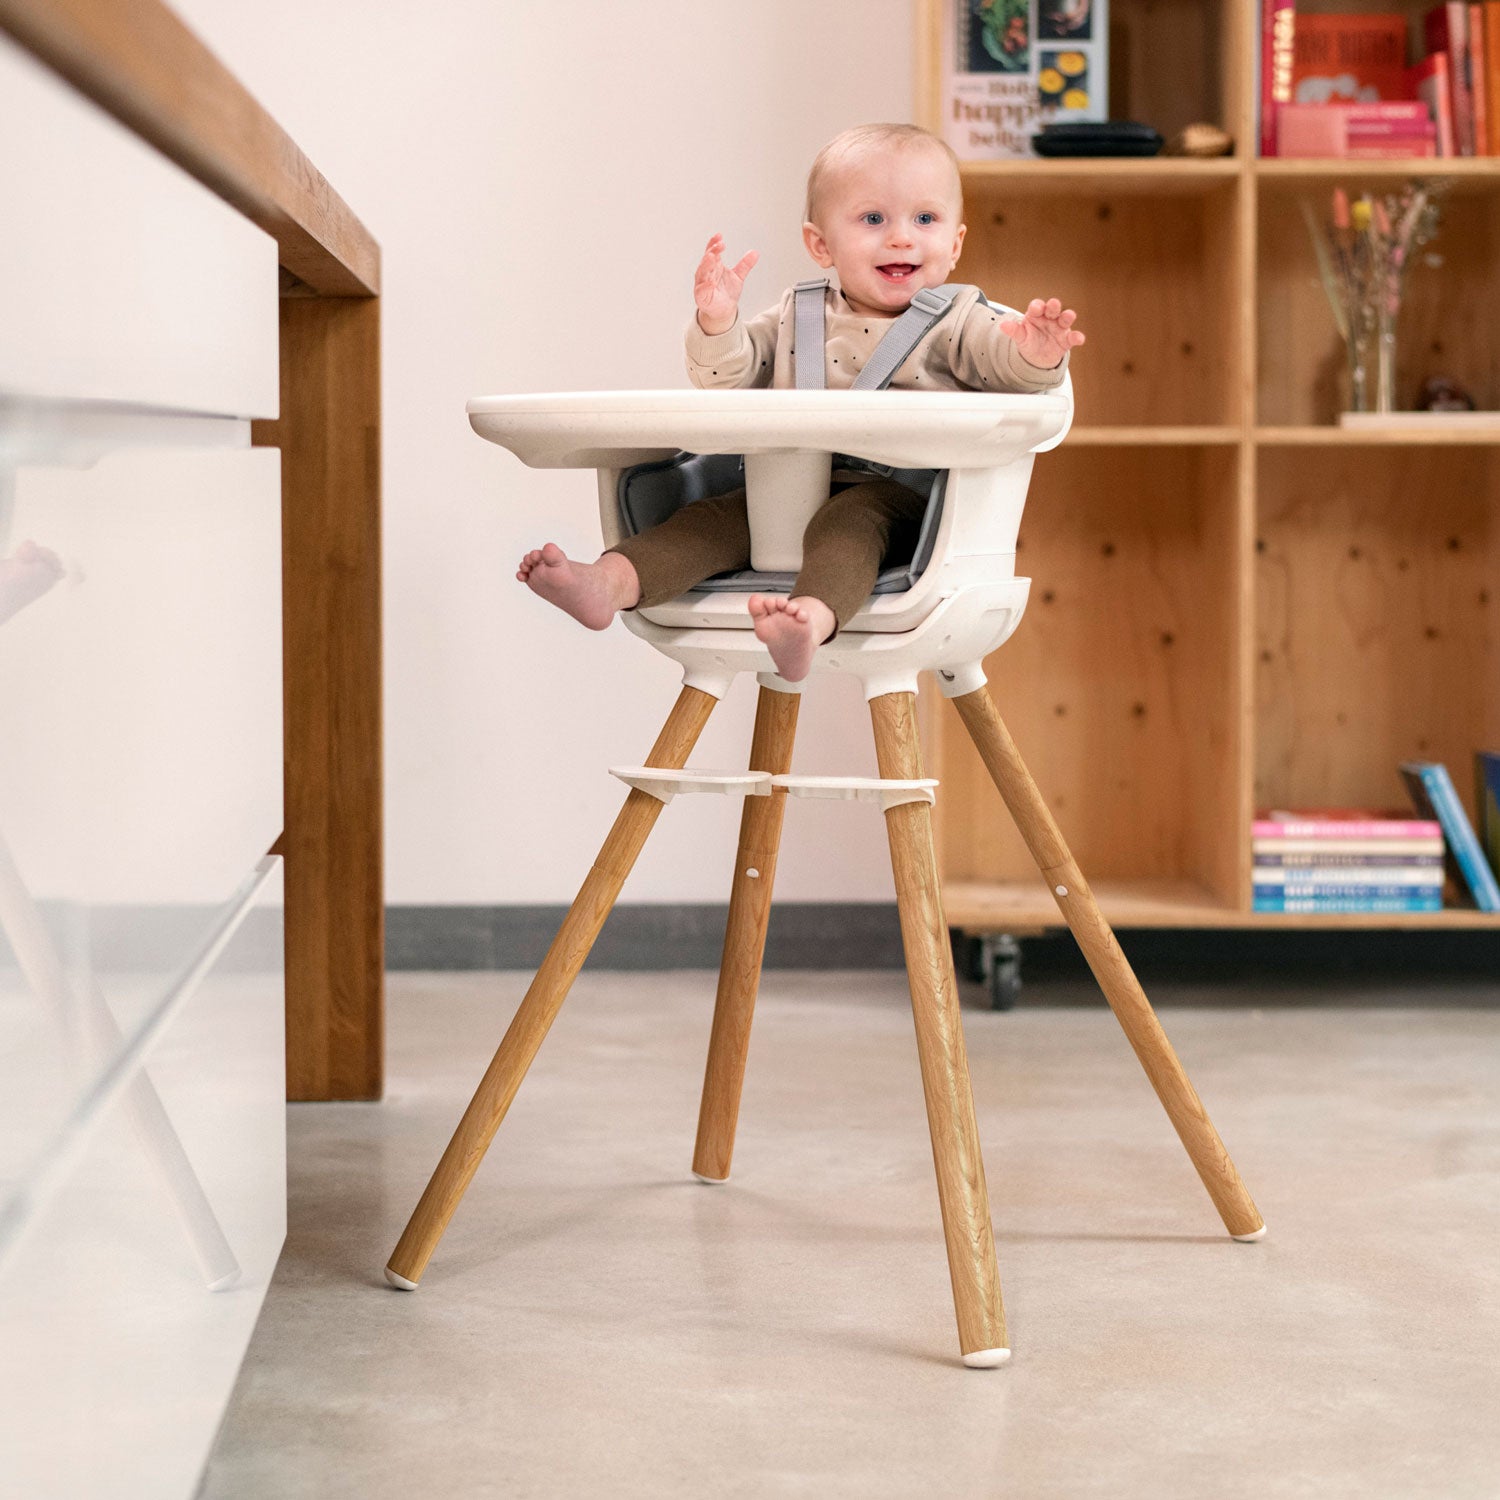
944	612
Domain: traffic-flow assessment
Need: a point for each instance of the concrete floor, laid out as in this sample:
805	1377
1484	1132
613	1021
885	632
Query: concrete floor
595	1322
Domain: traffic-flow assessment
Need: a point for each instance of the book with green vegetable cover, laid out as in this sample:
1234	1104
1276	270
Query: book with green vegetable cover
1012	66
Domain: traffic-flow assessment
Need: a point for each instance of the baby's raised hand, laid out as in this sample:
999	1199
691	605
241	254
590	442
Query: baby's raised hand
1045	333
717	287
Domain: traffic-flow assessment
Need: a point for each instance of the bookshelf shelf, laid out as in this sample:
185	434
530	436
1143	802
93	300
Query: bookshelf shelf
1235	601
1152	176
1394	437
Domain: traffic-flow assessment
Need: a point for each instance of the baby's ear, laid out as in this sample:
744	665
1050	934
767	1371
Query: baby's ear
817	246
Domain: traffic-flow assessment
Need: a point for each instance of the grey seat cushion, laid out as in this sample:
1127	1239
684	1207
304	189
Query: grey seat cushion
649	493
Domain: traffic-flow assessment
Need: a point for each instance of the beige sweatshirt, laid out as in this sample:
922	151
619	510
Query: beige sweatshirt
964	351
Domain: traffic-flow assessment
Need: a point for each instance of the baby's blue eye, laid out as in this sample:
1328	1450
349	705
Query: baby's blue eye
926	218
872	218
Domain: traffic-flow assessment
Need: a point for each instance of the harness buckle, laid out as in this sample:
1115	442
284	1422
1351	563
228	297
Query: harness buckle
928	301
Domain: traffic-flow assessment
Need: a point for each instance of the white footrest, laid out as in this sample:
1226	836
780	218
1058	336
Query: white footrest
665	784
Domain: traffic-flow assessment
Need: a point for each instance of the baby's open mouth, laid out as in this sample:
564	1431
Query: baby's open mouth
897	271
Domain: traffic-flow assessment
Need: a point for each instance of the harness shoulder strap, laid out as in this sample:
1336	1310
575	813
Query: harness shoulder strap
808	330
927	308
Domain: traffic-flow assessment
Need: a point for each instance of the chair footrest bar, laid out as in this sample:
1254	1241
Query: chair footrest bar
665	784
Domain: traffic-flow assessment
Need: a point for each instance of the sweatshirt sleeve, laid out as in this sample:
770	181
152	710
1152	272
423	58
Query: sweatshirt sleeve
741	357
986	358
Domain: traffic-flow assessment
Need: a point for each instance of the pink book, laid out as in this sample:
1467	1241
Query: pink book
1326	130
1375	131
1384	111
1446	27
1278	25
1429	82
1397	148
1336	823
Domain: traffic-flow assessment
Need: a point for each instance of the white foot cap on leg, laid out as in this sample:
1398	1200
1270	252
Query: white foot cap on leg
987	1359
1257	1234
400	1282
711	1181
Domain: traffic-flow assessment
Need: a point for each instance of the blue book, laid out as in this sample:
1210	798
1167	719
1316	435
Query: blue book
1487	794
1432	902
1301	890
1432	792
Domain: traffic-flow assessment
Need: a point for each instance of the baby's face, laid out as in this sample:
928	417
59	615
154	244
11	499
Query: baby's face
888	224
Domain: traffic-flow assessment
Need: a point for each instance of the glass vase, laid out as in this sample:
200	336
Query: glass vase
1362	348
1385	360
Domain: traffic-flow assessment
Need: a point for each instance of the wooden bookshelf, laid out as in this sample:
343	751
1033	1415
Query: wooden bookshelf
1234	600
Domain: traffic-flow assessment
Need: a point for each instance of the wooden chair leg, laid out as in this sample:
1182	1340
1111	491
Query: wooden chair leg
1116	978
962	1193
543	999
744	938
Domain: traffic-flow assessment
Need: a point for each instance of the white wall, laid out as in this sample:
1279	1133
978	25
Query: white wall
541	178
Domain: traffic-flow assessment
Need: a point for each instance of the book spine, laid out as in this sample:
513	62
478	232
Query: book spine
1478	84
1461	840
1335	828
1344	876
1347	903
1392	150
1278	27
1459	76
1321	861
1492	70
1487	804
1413	111
1380	130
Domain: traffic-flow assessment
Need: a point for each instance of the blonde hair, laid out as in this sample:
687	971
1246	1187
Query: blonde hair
850	143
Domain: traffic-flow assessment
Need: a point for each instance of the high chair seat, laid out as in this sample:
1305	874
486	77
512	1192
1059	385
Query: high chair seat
964	602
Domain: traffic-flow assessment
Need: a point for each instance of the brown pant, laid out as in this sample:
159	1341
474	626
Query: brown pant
842	548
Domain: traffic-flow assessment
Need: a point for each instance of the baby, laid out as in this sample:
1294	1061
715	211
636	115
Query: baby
884	210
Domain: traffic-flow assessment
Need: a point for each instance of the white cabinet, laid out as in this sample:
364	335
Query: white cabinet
142	1061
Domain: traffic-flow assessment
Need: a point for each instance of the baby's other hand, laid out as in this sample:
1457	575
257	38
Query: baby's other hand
1045	334
717	287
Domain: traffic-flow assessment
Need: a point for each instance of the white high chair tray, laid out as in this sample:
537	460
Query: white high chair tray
906	429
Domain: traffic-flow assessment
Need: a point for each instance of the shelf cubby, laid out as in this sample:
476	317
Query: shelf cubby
1114	687
1162	351
1377	585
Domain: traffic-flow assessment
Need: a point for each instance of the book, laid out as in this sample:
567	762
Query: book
1342	824
1446	29
1492	70
1348	58
1429	82
1323	851
1432	793
1487	804
1339	130
1321	859
1012	66
1478	85
1346	904
1278	30
1390	880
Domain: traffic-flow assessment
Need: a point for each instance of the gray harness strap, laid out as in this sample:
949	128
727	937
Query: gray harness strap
927	308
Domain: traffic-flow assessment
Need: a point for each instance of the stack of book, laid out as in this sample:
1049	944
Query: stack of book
1368	86
1340	860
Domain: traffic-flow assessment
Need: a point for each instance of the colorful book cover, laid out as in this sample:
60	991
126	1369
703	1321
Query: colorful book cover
1013	66
1492	70
1348	58
1432	793
1446	29
1278	33
1478	83
1487	804
1429	82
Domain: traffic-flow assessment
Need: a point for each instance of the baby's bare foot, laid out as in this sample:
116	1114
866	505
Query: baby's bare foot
591	592
792	630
